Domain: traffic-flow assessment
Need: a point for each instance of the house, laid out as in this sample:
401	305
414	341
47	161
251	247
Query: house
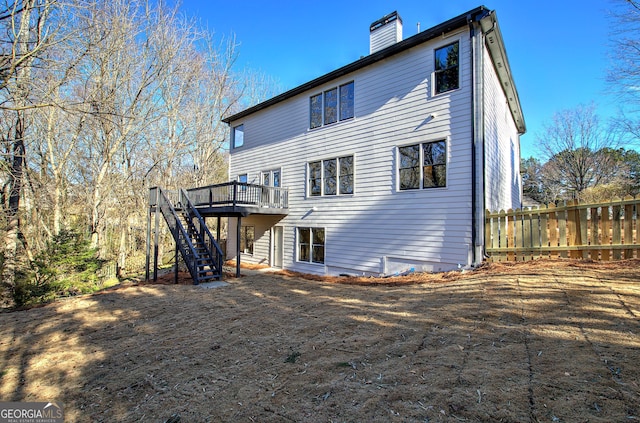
388	163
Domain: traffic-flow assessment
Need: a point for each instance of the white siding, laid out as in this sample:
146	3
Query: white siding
503	184
262	241
385	35
378	225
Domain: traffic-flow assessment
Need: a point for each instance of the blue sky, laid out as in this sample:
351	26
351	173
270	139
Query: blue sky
558	50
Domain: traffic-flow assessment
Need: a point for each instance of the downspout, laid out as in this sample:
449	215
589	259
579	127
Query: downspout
473	142
477	134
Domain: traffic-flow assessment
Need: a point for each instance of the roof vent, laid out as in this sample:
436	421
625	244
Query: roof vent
385	32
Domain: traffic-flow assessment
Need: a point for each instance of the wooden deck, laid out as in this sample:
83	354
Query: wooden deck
235	199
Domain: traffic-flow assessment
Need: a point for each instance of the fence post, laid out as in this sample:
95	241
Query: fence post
511	244
573	229
595	235
606	235
584	240
553	230
503	235
544	231
562	230
628	227
616	236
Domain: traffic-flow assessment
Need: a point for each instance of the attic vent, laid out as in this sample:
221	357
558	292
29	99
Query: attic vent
385	32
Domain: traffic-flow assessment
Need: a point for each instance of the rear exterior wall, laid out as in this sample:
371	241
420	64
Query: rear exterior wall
378	229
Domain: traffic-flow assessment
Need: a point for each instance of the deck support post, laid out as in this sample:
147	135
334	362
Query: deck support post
147	259
218	231
238	247
175	275
155	244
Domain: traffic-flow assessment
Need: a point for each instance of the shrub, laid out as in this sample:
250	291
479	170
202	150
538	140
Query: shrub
66	267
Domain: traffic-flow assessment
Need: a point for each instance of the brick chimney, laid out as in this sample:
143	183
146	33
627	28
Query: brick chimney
385	32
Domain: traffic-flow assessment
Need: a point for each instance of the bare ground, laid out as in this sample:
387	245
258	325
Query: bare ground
550	341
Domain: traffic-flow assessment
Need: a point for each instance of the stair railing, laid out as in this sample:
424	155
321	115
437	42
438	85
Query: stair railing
204	233
180	234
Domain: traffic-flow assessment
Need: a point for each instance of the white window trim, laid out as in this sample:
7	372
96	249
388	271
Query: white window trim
233	136
339	121
322	194
297	245
270	171
421	188
433	70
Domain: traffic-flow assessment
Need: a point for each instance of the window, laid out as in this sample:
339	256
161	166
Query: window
238	136
315	178
311	245
243	180
331	106
331	177
447	68
409	167
422	165
316	111
434	164
346	101
247	236
270	196
346	175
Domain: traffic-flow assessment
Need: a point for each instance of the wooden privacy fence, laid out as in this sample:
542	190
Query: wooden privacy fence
602	231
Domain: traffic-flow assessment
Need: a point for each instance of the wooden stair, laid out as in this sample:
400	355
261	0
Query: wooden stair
199	249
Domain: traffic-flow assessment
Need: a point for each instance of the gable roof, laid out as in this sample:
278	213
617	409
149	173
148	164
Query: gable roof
489	24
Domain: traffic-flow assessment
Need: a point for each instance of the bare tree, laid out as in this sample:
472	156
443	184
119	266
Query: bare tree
623	76
123	95
25	23
574	144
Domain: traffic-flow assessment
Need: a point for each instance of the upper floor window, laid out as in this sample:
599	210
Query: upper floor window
331	106
331	176
238	136
447	75
422	165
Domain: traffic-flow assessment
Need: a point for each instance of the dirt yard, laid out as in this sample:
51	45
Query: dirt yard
552	341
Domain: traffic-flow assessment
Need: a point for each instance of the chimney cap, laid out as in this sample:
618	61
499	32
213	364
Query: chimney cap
385	20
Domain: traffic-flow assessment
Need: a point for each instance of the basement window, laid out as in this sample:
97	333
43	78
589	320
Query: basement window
311	245
247	236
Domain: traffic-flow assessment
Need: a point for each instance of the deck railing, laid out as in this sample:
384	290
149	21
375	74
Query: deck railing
239	194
